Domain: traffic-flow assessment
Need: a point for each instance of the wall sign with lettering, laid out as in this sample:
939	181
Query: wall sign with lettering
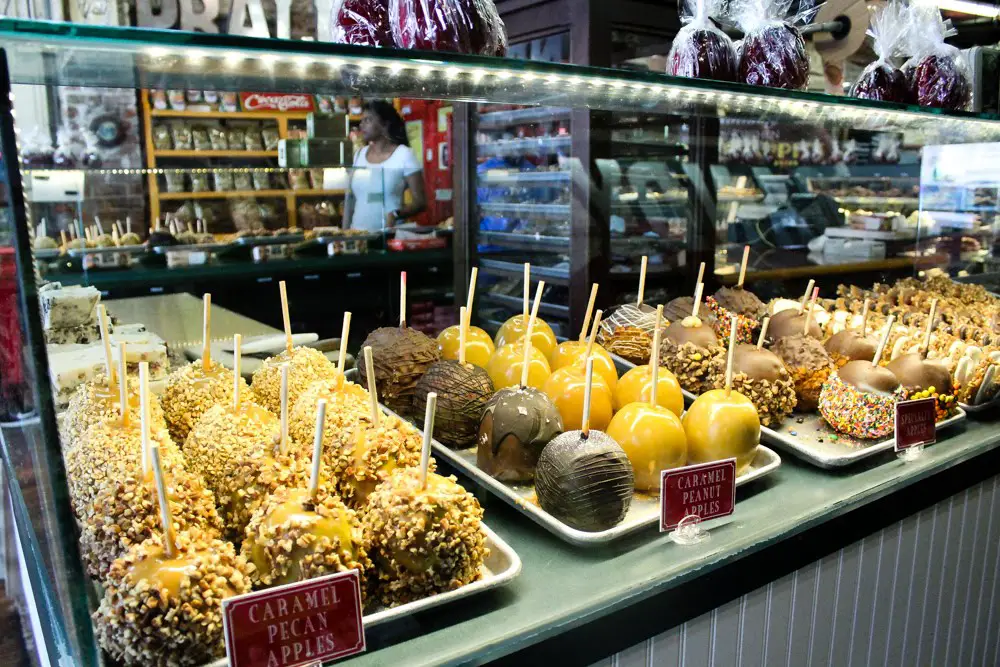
303	623
704	490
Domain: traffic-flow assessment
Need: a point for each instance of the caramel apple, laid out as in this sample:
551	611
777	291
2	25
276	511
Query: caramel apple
585	481
506	365
566	388
808	363
636	384
760	375
512	331
478	345
653	439
423	539
723	423
516	425
689	348
718	426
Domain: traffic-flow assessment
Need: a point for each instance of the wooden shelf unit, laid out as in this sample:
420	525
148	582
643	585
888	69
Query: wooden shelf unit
156	196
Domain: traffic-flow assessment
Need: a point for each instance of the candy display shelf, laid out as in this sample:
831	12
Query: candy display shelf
231	194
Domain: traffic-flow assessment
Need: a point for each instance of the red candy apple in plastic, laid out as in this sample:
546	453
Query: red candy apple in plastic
700	50
362	22
772	52
881	80
937	73
457	26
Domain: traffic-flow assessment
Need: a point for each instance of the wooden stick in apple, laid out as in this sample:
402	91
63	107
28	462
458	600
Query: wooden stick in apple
527	334
206	332
590	311
284	316
701	273
237	352
642	280
372	390
345	333
109	366
402	299
526	290
472	289
809	313
805	295
463	329
166	522
654	357
743	266
123	385
317	455
763	332
144	401
283	442
729	357
589	383
885	339
64	239
699	288
593	334
425	451
930	329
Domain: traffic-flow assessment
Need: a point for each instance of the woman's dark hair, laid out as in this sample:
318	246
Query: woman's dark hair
394	125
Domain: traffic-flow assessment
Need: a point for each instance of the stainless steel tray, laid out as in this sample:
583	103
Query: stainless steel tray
808	436
194	247
982	408
643	513
501	566
284	239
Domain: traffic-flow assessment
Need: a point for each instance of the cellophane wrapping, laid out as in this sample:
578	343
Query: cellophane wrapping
772	52
882	80
361	22
457	26
700	50
937	74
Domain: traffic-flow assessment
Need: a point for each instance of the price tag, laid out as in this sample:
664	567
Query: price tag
915	423
304	623
704	490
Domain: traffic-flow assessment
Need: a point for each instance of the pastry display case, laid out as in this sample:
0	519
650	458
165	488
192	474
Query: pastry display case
623	191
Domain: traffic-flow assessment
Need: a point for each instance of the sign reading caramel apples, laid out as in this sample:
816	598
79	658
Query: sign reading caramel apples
297	624
704	490
915	423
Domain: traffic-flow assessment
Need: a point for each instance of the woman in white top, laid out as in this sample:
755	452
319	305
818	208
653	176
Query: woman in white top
383	170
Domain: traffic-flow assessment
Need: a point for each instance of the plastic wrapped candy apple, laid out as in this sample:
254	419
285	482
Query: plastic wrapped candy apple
772	52
459	26
937	73
362	22
700	50
881	80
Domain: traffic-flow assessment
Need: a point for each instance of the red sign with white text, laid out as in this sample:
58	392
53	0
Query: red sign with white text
276	102
705	490
297	624
915	423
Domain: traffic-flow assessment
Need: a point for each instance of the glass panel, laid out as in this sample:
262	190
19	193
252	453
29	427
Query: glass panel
73	55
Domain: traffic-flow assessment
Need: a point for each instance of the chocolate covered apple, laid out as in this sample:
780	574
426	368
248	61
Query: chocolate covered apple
458	26
700	50
362	22
772	52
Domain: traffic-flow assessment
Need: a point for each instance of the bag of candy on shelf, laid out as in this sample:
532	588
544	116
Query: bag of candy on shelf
261	180
361	22
271	137
298	179
223	181
242	181
457	26
181	134
199	137
937	74
175	181
700	50
882	80
217	138
199	182
772	52
253	140
235	136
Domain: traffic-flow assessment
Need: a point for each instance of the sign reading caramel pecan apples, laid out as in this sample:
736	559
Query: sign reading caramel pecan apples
297	624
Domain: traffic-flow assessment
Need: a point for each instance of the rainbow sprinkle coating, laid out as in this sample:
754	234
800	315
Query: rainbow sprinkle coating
745	326
856	413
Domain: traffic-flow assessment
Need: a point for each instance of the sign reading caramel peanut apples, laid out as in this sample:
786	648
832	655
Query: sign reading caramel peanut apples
704	490
915	423
304	623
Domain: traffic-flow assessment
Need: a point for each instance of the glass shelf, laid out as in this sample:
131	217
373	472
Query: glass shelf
77	55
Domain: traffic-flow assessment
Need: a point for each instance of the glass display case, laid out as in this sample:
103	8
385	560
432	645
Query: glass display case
669	171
